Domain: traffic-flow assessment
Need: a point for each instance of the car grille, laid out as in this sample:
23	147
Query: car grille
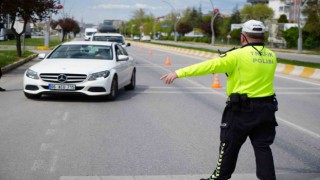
69	78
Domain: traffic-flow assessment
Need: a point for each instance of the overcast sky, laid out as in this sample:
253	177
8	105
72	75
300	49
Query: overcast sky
95	11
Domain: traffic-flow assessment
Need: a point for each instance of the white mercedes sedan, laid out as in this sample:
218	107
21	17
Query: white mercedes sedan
91	68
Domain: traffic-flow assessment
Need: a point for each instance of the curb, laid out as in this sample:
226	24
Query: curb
301	71
305	72
18	63
43	48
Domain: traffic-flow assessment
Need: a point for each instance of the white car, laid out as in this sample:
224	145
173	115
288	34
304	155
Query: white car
91	68
145	38
110	37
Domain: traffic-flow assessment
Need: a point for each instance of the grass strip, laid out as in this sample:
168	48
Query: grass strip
54	41
10	56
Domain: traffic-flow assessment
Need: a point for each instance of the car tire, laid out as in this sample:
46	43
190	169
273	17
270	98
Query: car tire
32	96
114	89
132	84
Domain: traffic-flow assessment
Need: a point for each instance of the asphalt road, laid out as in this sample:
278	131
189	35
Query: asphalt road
155	132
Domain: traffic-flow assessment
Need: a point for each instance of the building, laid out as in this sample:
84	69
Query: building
294	11
290	8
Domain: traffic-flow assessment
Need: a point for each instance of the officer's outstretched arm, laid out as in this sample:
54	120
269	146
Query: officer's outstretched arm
169	78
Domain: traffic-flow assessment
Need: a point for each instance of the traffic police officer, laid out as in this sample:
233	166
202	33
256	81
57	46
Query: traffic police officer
251	104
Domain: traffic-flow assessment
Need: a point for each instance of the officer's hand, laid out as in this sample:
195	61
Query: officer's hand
169	78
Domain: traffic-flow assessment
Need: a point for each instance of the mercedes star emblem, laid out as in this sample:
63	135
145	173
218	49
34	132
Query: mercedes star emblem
62	78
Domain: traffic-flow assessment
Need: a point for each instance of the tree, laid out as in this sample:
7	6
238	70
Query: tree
184	28
26	11
259	12
76	29
67	25
283	19
312	12
311	33
226	22
235	18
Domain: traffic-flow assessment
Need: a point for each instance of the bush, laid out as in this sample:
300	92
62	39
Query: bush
291	36
311	41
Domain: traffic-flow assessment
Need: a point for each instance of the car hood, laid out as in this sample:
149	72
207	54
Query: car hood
83	66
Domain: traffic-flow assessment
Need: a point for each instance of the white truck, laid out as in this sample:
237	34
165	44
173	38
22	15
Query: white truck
88	32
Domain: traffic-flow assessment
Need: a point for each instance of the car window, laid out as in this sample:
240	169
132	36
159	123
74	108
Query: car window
123	51
118	50
82	52
117	39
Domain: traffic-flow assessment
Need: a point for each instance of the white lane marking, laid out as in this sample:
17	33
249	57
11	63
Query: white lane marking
37	164
54	161
65	116
299	80
297	88
55	122
51	132
46	147
248	176
298	93
311	133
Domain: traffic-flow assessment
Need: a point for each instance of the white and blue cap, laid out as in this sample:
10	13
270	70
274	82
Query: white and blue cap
253	26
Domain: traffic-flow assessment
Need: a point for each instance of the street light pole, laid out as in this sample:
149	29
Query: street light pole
215	12
175	21
299	28
47	33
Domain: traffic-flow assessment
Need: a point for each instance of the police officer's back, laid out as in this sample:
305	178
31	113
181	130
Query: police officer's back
251	103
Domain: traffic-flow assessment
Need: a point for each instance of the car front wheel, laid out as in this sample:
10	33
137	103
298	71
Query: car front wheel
132	84
114	89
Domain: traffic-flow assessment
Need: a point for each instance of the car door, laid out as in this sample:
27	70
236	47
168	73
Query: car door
129	65
121	67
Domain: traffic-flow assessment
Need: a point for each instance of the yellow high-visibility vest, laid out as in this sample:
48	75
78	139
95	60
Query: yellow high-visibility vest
250	70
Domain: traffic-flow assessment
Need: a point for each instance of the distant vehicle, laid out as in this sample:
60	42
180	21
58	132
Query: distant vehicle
136	38
145	38
81	67
110	37
88	33
107	29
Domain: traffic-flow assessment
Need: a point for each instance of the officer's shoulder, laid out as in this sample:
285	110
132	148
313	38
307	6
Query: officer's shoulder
224	53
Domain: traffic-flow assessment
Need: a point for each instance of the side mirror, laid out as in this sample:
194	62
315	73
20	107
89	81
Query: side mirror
128	44
42	56
123	58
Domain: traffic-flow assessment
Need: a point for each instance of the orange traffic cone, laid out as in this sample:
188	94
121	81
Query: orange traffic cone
216	83
150	52
168	63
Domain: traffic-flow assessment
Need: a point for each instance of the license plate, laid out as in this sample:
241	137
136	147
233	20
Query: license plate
68	87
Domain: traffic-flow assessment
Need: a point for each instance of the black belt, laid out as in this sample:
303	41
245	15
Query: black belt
266	99
262	99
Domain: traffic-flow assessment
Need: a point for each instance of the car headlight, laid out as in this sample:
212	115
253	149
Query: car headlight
99	75
32	74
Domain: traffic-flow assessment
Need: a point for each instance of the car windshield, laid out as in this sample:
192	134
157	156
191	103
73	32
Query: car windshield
117	39
89	33
83	52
